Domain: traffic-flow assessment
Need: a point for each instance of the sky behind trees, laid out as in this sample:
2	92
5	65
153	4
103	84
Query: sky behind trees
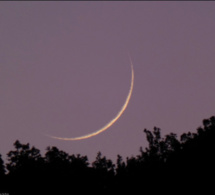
64	71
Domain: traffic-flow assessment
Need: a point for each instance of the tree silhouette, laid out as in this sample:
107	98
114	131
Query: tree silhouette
2	167
159	148
23	159
120	165
79	162
187	165
102	163
196	159
24	166
62	170
104	171
3	179
56	161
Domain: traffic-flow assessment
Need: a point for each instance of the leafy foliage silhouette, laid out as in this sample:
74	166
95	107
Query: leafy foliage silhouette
2	167
186	164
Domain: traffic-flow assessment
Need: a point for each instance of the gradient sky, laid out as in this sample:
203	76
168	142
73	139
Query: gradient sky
65	71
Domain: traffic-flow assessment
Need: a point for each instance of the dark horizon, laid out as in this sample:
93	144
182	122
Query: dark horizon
187	161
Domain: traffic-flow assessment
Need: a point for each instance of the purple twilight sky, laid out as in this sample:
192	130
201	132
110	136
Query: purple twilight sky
65	71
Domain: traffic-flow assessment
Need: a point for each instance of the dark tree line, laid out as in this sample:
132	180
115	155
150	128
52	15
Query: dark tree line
168	165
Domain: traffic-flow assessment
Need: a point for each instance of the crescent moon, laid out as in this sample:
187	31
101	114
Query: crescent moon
108	125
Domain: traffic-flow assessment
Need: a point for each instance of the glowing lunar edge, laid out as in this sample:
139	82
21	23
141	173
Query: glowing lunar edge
112	121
